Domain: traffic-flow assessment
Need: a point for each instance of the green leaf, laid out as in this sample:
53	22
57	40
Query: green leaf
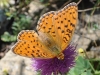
6	37
88	72
82	67
97	72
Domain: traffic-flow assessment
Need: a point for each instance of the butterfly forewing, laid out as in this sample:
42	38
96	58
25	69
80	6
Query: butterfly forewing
29	45
70	23
61	25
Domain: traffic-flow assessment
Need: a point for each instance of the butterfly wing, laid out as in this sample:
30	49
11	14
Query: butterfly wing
29	45
45	25
65	22
60	25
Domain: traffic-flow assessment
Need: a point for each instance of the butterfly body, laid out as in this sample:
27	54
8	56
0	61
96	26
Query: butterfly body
49	42
54	32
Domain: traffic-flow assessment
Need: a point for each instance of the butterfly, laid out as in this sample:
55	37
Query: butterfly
53	34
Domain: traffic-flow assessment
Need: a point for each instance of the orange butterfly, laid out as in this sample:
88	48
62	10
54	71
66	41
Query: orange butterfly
54	32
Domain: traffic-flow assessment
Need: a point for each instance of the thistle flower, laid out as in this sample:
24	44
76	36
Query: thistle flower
56	66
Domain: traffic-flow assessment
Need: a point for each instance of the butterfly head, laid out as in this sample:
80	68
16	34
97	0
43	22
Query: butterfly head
60	56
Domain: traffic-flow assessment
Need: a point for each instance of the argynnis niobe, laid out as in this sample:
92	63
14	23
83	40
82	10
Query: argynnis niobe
54	32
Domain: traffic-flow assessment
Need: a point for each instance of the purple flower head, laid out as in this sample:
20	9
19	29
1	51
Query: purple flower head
55	65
